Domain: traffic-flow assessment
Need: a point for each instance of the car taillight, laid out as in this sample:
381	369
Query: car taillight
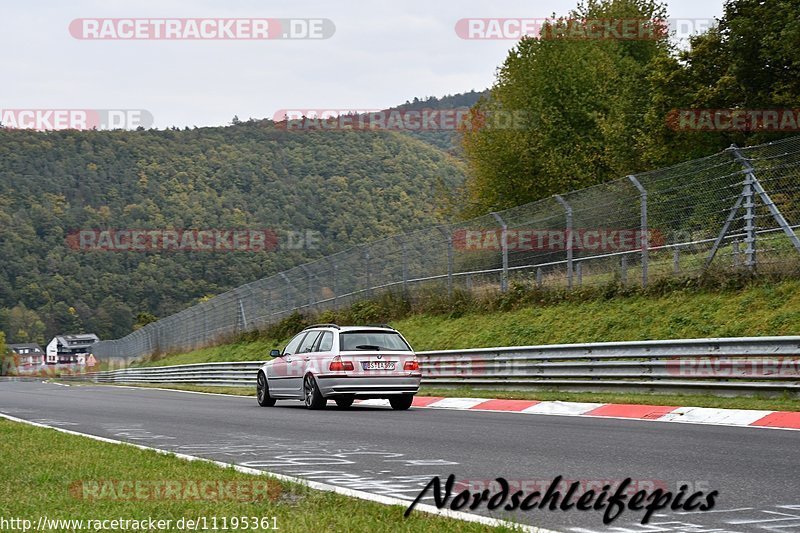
411	365
337	365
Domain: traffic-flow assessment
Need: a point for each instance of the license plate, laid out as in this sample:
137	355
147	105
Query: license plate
377	365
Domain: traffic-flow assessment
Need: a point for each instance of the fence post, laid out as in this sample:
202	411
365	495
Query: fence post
404	253
367	272
568	210
309	286
334	268
645	238
448	234
623	264
242	315
736	253
749	223
539	280
504	245
289	305
765	198
676	260
579	273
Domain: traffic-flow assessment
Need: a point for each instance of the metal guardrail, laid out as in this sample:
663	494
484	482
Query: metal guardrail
725	366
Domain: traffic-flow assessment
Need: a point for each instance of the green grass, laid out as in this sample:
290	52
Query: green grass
755	310
41	470
677	400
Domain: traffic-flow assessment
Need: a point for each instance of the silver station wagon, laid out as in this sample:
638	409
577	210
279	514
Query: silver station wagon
341	363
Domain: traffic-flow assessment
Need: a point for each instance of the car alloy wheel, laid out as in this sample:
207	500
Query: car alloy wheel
312	396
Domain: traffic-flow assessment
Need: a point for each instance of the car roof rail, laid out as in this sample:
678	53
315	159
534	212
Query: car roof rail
387	326
322	326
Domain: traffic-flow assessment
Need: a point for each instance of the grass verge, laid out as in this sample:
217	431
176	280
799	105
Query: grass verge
50	473
677	400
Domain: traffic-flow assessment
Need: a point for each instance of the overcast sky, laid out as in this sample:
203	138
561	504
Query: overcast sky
382	53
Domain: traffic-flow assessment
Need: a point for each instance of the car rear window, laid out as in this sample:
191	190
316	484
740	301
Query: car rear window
372	340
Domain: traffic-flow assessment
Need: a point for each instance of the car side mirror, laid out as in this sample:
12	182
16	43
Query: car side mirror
275	353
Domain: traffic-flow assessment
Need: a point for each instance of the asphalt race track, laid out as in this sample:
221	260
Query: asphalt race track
756	471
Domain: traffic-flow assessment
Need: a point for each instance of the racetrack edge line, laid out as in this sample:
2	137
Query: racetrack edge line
376	498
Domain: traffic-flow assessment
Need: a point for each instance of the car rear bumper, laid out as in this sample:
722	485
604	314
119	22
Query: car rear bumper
368	387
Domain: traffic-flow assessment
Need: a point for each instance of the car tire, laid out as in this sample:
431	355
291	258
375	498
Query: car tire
311	394
262	391
344	402
402	402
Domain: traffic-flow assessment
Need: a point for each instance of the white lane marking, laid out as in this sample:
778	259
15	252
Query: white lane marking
456	403
561	408
386	500
765	520
678	513
705	415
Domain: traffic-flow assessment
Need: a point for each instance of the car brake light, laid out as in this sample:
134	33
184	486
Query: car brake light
411	365
337	365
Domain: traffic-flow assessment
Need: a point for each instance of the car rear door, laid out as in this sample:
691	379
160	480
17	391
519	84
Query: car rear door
301	362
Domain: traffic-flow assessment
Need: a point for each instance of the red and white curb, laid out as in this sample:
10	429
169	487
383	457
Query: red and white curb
656	413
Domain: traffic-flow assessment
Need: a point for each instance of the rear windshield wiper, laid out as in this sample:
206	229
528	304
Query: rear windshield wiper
367	347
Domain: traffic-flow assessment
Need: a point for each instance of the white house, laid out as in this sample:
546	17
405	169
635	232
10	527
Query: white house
30	354
70	349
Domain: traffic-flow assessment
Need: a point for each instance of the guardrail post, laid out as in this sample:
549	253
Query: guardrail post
645	237
568	209
504	245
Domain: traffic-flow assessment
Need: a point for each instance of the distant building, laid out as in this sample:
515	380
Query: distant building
70	349
27	354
